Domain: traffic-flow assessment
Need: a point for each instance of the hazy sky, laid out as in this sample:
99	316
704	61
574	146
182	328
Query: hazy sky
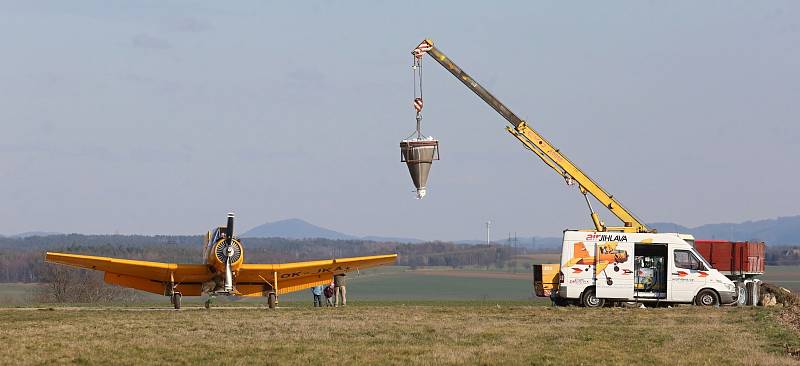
160	117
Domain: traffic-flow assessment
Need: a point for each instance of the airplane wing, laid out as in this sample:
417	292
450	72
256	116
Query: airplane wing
302	275
141	275
601	265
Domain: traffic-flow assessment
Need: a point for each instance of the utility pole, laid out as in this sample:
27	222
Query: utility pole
488	232
514	254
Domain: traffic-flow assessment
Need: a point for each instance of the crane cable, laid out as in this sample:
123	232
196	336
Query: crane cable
416	67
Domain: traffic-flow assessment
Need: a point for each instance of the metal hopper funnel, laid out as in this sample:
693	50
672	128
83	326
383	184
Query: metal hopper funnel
418	155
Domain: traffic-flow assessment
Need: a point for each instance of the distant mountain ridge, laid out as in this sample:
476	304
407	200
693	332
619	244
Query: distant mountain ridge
29	234
293	229
301	229
780	231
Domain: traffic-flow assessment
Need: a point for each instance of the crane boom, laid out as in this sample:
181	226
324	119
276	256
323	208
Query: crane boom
532	140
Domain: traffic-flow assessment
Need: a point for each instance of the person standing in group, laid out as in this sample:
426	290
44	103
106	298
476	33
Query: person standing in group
329	292
340	289
317	291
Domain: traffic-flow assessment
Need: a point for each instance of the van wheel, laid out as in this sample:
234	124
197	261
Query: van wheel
590	300
706	297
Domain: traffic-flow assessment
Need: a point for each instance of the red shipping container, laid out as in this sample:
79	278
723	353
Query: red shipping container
733	257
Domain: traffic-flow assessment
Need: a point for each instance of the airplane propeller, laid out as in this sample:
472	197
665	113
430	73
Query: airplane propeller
229	228
229	251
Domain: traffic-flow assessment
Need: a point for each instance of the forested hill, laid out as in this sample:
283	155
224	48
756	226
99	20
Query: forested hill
783	231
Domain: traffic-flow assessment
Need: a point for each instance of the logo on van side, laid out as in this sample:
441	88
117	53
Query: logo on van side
606	237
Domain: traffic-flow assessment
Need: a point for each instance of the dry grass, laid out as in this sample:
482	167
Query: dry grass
471	333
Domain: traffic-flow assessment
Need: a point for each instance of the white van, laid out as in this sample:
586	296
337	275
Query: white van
600	267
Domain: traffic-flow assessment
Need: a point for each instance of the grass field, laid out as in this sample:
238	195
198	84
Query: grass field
387	283
393	333
786	276
395	316
398	283
17	293
424	284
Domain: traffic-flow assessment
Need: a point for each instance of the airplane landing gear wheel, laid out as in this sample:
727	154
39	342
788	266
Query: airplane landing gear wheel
590	300
208	303
175	299
272	299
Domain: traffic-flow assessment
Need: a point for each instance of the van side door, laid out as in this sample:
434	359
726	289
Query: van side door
686	275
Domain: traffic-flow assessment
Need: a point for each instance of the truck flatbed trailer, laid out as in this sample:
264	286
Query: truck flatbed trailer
741	261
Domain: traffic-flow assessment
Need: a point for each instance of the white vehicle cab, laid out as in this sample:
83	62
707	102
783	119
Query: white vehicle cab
601	267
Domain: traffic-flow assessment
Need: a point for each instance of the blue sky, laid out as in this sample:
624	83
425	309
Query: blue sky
146	117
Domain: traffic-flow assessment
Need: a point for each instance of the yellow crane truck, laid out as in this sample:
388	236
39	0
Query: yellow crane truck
598	266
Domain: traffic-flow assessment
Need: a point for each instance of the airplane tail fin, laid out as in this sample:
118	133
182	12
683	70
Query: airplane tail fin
579	250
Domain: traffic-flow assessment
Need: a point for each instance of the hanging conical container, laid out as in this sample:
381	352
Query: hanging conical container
419	154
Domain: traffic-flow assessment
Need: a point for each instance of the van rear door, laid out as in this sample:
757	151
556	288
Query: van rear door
614	270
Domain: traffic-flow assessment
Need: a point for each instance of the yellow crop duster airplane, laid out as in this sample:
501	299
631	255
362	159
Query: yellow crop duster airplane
223	272
608	254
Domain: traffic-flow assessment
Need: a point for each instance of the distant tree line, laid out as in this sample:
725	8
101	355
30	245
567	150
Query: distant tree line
783	256
22	259
67	285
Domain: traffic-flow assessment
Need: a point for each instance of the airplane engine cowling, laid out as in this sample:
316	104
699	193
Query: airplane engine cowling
219	255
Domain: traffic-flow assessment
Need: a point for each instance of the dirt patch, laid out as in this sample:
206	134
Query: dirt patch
789	316
782	295
792	351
